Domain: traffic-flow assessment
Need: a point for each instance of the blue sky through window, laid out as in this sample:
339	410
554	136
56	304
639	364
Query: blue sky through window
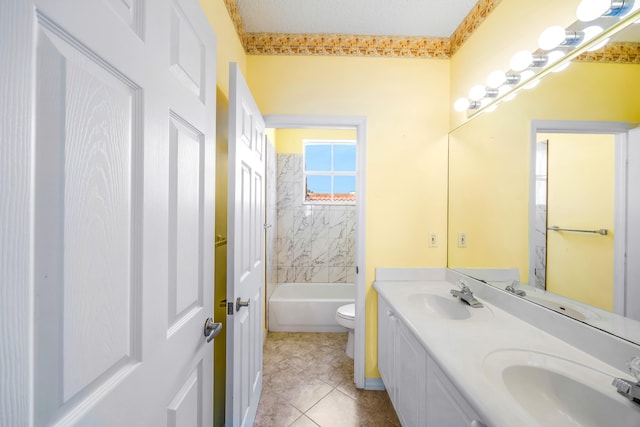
326	165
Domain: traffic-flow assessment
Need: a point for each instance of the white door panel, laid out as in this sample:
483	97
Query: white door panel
245	271
122	214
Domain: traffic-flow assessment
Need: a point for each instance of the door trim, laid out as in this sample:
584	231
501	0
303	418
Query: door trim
359	123
620	130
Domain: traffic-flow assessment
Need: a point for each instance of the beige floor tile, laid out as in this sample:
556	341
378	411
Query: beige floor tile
304	421
310	373
335	410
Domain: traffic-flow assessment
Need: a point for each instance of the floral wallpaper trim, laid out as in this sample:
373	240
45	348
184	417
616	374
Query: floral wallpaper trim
346	45
471	22
616	52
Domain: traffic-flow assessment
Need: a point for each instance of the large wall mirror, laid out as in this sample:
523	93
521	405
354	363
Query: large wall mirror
546	188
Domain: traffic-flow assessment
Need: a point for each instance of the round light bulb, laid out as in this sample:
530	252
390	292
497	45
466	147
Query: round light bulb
504	90
492	108
510	97
555	56
591	32
588	10
521	60
552	37
526	75
461	104
496	79
477	92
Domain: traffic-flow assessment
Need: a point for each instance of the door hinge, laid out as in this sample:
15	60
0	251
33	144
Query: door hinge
357	270
229	308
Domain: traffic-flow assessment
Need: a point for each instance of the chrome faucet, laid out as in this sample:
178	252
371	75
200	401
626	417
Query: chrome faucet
513	288
465	294
630	389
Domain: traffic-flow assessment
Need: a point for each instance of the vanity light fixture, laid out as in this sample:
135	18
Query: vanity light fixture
463	104
525	59
589	10
556	36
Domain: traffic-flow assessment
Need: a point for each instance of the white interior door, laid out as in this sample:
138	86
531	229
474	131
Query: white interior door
245	261
112	148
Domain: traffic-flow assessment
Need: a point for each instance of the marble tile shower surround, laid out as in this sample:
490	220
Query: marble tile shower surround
314	243
541	246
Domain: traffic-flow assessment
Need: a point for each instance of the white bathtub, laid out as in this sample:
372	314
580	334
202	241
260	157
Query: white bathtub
308	307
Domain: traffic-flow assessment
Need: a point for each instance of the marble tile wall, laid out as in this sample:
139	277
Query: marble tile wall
541	246
314	243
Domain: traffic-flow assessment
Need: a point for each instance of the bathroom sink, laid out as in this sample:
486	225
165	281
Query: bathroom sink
556	391
448	307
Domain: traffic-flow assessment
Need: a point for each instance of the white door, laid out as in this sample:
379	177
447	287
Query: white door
107	168
245	263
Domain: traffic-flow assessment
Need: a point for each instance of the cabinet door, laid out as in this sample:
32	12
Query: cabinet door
411	364
445	405
386	344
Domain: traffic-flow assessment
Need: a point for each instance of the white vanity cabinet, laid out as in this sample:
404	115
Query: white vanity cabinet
421	393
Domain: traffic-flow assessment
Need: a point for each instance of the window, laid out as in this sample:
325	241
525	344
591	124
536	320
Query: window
330	172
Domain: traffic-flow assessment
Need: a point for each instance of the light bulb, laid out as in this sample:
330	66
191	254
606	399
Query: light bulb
526	75
510	97
496	79
521	60
552	37
591	32
461	104
555	56
588	10
503	90
477	92
492	108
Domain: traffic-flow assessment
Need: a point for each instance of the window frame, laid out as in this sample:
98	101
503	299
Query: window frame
331	173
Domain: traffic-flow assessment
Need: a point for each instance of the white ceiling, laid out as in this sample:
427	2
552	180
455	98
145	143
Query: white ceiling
423	18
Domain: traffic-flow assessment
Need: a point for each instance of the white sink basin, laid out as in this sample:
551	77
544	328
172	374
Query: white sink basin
443	307
557	392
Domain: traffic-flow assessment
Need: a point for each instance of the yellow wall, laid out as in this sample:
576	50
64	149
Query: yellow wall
290	140
581	196
405	102
489	158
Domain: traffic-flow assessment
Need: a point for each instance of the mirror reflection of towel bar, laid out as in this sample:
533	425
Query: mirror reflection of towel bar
602	231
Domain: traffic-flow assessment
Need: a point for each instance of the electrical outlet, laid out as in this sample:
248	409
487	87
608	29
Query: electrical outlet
462	240
433	240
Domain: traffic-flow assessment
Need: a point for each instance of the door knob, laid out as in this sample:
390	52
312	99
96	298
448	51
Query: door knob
211	329
240	304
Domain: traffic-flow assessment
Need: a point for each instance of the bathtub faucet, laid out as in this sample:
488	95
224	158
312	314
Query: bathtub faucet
465	294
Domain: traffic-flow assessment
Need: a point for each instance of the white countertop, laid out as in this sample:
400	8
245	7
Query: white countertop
460	347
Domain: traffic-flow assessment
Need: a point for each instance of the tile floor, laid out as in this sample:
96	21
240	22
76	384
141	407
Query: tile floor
308	381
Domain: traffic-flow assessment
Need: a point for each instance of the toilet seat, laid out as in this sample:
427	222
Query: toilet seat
346	315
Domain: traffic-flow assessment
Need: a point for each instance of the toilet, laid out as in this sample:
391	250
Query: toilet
346	316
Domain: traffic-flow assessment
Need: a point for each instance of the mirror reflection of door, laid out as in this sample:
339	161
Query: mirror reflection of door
580	196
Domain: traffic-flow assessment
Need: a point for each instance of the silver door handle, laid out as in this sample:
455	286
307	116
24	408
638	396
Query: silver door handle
211	329
240	304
